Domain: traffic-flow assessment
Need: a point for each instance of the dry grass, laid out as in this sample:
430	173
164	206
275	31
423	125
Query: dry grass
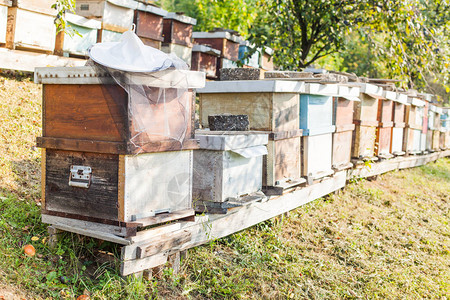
388	238
20	114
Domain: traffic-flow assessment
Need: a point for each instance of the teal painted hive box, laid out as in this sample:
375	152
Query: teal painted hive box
316	109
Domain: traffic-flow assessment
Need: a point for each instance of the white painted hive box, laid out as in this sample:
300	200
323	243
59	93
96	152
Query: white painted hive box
228	165
116	15
3	19
317	155
157	183
87	28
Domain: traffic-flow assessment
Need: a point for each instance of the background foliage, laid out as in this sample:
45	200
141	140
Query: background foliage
400	39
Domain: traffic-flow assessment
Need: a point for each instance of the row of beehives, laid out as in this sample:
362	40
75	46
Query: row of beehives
95	169
26	24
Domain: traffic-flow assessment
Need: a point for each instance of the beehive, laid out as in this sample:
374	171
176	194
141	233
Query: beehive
205	59
414	137
252	61
385	125
343	120
266	60
4	4
224	41
74	44
365	120
399	124
272	106
31	26
87	111
116	16
149	24
229	165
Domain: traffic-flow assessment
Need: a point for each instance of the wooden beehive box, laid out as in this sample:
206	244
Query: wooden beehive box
149	24
343	120
414	118
116	16
271	105
108	188
4	4
229	165
74	44
364	141
183	52
253	60
316	108
282	167
177	29
366	111
317	156
266	60
205	59
87	111
385	119
31	26
225	42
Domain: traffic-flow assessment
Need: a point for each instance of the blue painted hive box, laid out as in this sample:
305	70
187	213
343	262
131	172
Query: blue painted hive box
316	109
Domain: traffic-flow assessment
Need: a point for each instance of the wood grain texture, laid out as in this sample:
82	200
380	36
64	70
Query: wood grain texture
343	111
266	111
43	176
383	141
99	200
121	189
148	25
366	109
204	62
342	148
85	112
228	49
283	161
385	111
399	111
363	141
177	32
166	242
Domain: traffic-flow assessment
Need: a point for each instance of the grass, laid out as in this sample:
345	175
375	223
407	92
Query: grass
383	239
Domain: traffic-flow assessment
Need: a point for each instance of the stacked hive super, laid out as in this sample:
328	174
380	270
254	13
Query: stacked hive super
365	117
177	33
444	137
385	125
109	156
30	25
205	59
414	124
227	42
399	110
343	120
71	44
434	124
271	106
4	4
116	16
316	121
149	24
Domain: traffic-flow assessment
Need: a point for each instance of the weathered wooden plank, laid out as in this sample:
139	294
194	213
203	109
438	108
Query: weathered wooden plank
86	225
99	200
342	148
166	242
137	265
95	234
283	161
166	217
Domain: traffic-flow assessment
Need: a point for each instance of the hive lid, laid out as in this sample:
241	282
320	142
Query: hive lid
152	9
6	2
217	35
371	90
322	89
416	101
82	21
181	18
169	78
349	92
124	3
206	49
253	86
230	140
390	95
251	151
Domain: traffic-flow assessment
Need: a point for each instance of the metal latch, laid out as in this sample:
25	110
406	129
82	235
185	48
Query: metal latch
80	176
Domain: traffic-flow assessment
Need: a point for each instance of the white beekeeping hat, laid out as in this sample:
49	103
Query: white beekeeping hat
131	55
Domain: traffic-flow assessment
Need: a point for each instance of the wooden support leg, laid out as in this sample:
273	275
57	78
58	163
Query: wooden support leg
174	262
52	236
